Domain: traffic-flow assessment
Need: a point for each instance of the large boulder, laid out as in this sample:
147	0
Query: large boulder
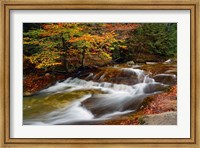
153	87
167	118
169	79
100	105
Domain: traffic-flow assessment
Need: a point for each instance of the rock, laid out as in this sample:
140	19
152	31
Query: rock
167	118
103	104
169	79
47	74
171	71
27	94
130	63
135	66
128	76
151	63
124	80
151	88
169	61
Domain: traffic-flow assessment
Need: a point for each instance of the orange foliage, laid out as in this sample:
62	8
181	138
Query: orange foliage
34	83
162	102
121	26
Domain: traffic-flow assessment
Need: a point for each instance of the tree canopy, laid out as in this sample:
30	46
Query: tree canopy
68	46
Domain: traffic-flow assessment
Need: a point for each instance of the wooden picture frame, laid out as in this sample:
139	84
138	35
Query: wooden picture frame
7	5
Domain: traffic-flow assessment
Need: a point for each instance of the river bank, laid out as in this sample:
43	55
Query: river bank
34	83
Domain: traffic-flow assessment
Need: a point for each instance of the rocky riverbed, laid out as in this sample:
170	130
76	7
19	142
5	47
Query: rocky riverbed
124	94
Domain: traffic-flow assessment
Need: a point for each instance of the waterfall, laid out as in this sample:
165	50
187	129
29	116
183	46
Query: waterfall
117	99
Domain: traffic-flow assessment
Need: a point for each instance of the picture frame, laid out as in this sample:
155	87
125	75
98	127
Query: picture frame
7	6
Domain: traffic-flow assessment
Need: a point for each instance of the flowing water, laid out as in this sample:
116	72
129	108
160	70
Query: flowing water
95	97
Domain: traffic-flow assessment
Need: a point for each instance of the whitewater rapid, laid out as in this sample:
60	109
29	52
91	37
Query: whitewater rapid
116	99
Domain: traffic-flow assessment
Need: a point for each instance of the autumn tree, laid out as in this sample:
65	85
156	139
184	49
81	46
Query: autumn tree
48	45
55	44
100	44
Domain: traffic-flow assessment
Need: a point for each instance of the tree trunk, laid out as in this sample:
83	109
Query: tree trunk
83	58
65	55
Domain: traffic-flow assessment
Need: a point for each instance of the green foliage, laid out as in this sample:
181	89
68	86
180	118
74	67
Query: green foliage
159	39
118	50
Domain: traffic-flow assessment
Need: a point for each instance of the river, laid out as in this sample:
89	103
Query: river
97	96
